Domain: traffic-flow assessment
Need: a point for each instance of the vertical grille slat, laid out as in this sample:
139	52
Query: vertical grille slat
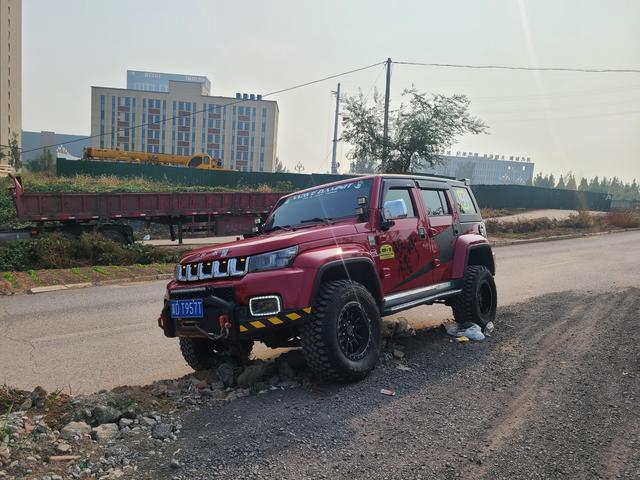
233	267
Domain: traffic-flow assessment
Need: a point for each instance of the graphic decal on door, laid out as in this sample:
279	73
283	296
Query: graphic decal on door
386	252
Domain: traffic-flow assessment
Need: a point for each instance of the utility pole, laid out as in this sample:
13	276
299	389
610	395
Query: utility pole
299	167
385	128
334	165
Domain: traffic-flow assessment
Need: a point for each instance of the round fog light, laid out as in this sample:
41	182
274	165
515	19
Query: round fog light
265	305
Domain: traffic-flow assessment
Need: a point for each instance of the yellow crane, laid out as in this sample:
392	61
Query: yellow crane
199	160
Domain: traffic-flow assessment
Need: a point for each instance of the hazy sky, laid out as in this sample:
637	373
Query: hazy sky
588	123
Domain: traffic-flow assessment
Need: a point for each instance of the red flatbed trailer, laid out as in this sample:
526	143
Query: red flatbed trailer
219	213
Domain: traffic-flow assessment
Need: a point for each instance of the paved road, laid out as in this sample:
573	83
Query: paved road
101	337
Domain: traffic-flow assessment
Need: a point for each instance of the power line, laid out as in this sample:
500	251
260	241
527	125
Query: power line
537	69
275	92
576	117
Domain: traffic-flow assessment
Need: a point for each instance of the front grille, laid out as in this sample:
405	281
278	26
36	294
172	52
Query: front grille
225	293
232	267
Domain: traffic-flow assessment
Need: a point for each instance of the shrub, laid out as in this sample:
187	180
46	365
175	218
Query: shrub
623	219
60	251
18	255
54	251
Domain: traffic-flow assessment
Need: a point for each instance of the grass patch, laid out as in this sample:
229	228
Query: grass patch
101	270
34	276
10	277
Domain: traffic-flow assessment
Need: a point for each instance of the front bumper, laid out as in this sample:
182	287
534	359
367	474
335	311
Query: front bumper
220	307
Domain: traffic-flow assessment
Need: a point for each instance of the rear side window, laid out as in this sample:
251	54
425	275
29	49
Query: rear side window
435	202
400	193
463	199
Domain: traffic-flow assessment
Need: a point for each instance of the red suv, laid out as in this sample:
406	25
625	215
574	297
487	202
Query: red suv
327	265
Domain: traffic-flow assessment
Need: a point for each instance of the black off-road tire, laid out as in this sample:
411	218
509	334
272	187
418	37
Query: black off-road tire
205	354
319	337
478	300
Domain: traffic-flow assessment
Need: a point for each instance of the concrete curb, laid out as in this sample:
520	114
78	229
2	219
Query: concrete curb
509	243
101	283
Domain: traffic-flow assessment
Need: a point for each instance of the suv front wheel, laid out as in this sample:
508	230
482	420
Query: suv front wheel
343	338
478	300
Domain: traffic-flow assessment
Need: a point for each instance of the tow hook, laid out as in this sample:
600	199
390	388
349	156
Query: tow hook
225	327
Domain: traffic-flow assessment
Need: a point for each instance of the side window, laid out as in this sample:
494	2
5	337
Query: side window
463	199
400	194
435	202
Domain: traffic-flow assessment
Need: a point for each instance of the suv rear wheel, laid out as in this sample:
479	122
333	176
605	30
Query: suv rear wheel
343	338
204	354
478	300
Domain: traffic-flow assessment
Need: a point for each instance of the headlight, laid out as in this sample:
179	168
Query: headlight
272	260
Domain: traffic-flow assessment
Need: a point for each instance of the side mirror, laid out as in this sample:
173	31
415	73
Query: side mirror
394	209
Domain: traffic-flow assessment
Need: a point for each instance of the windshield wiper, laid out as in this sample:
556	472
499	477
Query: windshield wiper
279	227
317	220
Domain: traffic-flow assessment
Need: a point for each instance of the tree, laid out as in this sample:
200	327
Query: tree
551	183
584	185
561	183
280	168
44	162
419	130
14	152
594	184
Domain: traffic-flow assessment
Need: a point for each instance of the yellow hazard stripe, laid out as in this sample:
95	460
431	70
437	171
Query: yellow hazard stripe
275	320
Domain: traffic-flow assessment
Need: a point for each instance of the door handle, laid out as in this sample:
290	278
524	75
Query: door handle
422	233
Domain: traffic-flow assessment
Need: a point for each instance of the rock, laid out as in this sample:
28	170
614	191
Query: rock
175	464
38	396
255	373
403	329
105	432
125	423
162	431
106	414
26	405
398	353
147	421
201	384
75	429
63	447
226	375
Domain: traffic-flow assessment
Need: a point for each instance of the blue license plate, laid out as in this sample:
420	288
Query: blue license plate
191	308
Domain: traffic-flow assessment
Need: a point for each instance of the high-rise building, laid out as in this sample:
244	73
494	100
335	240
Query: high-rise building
10	71
486	169
240	131
159	82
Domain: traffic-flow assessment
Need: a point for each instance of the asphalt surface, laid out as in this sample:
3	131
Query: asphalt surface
84	340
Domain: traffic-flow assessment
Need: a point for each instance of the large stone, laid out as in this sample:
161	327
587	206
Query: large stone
75	429
106	414
105	432
38	396
258	372
226	375
290	364
162	431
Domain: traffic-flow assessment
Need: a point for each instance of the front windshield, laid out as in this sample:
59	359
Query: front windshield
326	203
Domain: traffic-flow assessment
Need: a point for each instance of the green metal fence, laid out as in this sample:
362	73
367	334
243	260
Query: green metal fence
192	176
519	196
489	196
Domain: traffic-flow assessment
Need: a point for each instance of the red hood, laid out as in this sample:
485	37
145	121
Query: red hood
268	242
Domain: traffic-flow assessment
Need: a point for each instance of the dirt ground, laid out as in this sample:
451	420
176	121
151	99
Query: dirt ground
554	393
